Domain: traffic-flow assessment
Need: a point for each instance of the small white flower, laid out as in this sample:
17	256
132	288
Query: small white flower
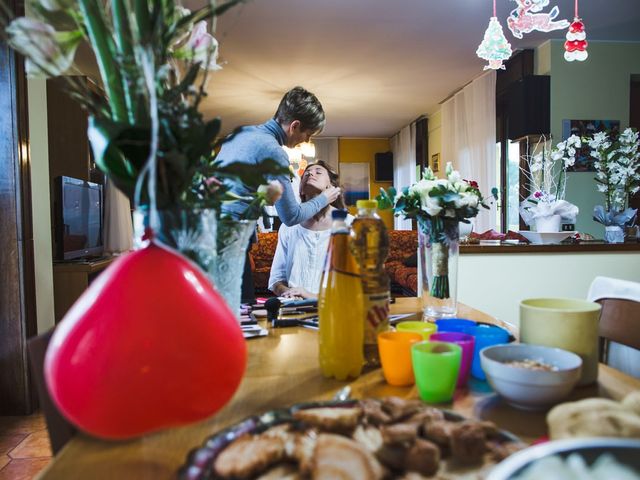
556	155
535	167
43	46
201	47
272	192
431	205
574	141
455	177
449	169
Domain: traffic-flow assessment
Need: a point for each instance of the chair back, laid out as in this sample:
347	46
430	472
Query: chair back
619	327
620	321
60	430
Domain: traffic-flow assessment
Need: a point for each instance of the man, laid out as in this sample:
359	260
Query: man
298	117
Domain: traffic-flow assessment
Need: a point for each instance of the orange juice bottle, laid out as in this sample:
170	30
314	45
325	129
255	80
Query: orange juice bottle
340	307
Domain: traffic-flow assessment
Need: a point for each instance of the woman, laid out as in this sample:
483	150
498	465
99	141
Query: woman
297	265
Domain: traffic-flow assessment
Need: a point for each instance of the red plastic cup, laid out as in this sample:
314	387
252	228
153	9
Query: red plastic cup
467	343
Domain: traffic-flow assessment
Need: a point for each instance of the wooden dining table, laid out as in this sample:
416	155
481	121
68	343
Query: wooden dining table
283	370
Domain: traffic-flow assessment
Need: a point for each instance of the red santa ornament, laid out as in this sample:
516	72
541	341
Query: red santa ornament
576	45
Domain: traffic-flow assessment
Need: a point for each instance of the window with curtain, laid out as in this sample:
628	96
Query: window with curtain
403	146
469	140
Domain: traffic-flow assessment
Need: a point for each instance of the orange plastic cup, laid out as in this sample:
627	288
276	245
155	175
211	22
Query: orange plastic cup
395	356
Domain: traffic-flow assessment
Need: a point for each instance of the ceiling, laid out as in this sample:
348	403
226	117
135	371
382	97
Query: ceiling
375	65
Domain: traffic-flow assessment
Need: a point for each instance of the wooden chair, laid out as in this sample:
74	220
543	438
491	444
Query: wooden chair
619	328
60	430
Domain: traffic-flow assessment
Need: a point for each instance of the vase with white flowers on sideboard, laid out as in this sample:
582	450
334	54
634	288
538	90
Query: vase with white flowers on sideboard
618	176
545	208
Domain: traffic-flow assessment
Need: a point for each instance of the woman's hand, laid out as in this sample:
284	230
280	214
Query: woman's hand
297	292
332	193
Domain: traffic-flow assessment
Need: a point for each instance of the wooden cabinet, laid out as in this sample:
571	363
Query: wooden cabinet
70	279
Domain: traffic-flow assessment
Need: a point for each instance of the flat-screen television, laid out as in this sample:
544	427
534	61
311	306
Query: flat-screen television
384	167
78	219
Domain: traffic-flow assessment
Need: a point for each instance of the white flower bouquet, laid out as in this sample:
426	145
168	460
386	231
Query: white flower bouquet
546	173
437	204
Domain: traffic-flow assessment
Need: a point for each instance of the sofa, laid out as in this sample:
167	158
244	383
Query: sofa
400	264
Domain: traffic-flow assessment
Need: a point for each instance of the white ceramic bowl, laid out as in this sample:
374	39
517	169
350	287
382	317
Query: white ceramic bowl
625	451
531	389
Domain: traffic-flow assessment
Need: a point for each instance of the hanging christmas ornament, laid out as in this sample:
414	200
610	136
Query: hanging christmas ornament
525	18
494	46
576	44
149	345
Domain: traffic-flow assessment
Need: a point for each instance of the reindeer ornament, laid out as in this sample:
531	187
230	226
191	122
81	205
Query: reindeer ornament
525	18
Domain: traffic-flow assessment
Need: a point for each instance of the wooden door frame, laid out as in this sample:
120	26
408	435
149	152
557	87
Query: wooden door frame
17	272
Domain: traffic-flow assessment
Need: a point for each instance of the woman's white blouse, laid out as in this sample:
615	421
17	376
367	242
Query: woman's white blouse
299	257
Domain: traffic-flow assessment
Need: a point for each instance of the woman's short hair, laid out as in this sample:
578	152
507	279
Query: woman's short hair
334	179
302	105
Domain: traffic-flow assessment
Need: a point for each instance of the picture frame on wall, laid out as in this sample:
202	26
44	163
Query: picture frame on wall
354	178
435	162
586	128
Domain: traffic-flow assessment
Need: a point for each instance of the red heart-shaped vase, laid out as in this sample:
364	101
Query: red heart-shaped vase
149	345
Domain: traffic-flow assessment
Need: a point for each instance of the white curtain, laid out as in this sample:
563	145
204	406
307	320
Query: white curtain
403	146
118	227
469	139
327	151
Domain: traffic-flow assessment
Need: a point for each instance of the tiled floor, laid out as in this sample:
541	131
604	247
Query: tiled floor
24	447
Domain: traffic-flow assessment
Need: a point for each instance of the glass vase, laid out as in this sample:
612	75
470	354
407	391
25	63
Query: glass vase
192	232
613	234
438	250
232	242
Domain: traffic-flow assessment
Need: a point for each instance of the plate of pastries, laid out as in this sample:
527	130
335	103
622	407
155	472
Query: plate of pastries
378	439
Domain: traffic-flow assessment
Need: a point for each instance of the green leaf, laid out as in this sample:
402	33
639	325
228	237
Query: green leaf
205	13
386	198
252	175
120	150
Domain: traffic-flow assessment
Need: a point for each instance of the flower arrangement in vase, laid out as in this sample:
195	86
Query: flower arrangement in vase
618	176
438	205
546	173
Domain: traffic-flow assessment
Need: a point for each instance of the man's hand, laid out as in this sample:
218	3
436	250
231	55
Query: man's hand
298	293
332	193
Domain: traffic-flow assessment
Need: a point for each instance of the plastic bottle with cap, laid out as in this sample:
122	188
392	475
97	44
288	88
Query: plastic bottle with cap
370	247
340	307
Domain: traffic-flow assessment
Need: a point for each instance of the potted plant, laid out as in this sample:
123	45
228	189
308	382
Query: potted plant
546	173
618	176
146	130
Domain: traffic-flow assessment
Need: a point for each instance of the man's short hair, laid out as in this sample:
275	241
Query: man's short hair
302	105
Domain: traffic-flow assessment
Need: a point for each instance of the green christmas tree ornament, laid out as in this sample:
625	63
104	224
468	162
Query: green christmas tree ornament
494	47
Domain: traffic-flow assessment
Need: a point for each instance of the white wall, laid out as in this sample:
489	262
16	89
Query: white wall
40	202
496	283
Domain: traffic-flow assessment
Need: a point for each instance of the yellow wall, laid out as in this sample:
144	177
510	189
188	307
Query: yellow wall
363	150
435	139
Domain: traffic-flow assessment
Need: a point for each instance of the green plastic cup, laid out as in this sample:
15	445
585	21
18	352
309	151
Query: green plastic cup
423	328
436	366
